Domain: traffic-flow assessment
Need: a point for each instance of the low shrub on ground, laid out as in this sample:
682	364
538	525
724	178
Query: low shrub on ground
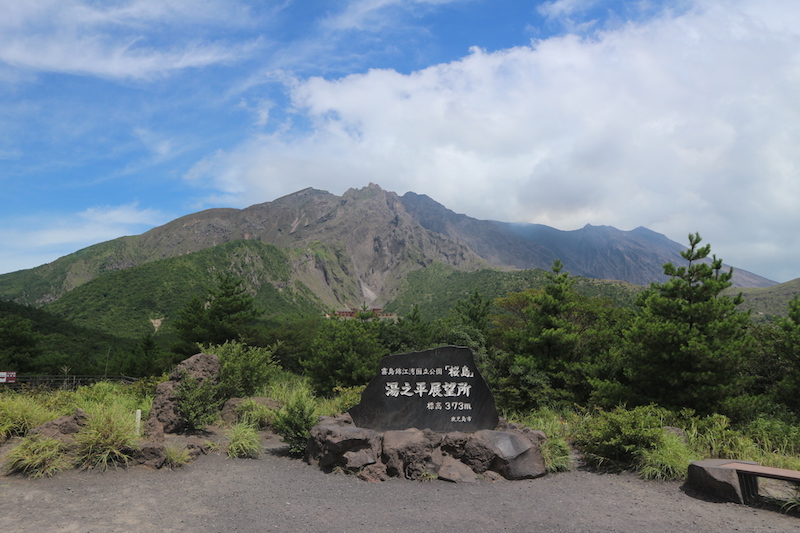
295	419
257	415
244	441
243	369
620	438
20	413
108	438
198	404
175	457
37	456
555	450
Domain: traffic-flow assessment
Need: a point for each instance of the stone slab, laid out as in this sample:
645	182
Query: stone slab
439	389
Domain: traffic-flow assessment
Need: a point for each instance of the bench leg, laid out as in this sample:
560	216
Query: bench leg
749	486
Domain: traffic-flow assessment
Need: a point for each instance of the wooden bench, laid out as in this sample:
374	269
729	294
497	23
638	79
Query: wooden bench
749	473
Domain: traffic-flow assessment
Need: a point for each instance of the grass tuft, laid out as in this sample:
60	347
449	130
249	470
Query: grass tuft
244	441
108	438
37	456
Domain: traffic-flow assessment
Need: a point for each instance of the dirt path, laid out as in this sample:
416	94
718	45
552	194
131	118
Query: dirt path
276	493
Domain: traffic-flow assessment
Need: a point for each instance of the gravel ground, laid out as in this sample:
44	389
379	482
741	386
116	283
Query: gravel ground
277	493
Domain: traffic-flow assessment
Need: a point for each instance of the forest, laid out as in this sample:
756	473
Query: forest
683	354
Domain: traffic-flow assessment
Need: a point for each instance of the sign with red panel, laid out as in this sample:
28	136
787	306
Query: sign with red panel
8	377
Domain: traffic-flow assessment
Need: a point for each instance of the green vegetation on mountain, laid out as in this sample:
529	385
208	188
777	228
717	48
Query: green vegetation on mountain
42	342
136	301
436	289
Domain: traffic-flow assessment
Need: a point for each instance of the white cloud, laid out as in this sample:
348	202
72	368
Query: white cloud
682	123
30	241
372	15
121	40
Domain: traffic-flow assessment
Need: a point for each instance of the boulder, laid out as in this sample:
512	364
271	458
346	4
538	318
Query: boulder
514	457
345	446
165	415
412	453
373	473
201	366
152	454
63	428
454	470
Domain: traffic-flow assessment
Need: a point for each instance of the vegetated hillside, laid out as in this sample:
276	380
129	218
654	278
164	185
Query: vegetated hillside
65	347
436	290
350	249
768	302
600	252
133	302
357	248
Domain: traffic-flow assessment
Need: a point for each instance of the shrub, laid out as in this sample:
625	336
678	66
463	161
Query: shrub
197	403
713	437
295	419
244	441
555	450
175	457
255	414
37	456
19	414
108	438
243	369
668	460
618	439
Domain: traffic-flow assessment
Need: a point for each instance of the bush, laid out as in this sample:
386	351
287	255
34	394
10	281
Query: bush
244	369
295	419
255	414
668	460
555	450
198	404
244	441
37	456
621	438
108	438
175	457
19	414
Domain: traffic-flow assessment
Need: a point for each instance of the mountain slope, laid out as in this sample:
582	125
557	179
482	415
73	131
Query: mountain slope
601	252
359	247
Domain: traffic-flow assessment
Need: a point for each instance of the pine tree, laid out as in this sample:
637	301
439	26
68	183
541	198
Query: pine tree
226	313
688	346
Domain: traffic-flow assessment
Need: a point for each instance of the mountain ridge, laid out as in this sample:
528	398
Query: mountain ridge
358	247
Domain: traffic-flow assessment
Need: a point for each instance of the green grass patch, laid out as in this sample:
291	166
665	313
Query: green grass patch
244	441
108	439
37	456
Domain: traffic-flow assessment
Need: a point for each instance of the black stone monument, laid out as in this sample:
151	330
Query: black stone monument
438	389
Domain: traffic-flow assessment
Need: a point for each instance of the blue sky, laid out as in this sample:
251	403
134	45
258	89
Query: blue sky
678	115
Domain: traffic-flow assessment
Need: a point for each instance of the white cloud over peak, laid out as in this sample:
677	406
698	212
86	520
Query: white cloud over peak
681	123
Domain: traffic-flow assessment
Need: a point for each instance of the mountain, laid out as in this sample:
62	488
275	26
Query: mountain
600	252
359	247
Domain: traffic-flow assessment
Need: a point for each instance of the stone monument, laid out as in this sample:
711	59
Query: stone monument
439	389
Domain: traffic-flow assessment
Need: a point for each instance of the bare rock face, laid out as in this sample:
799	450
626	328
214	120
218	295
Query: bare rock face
165	415
201	366
412	453
63	428
343	446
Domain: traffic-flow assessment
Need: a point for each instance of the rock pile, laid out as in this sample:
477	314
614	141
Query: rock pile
511	452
